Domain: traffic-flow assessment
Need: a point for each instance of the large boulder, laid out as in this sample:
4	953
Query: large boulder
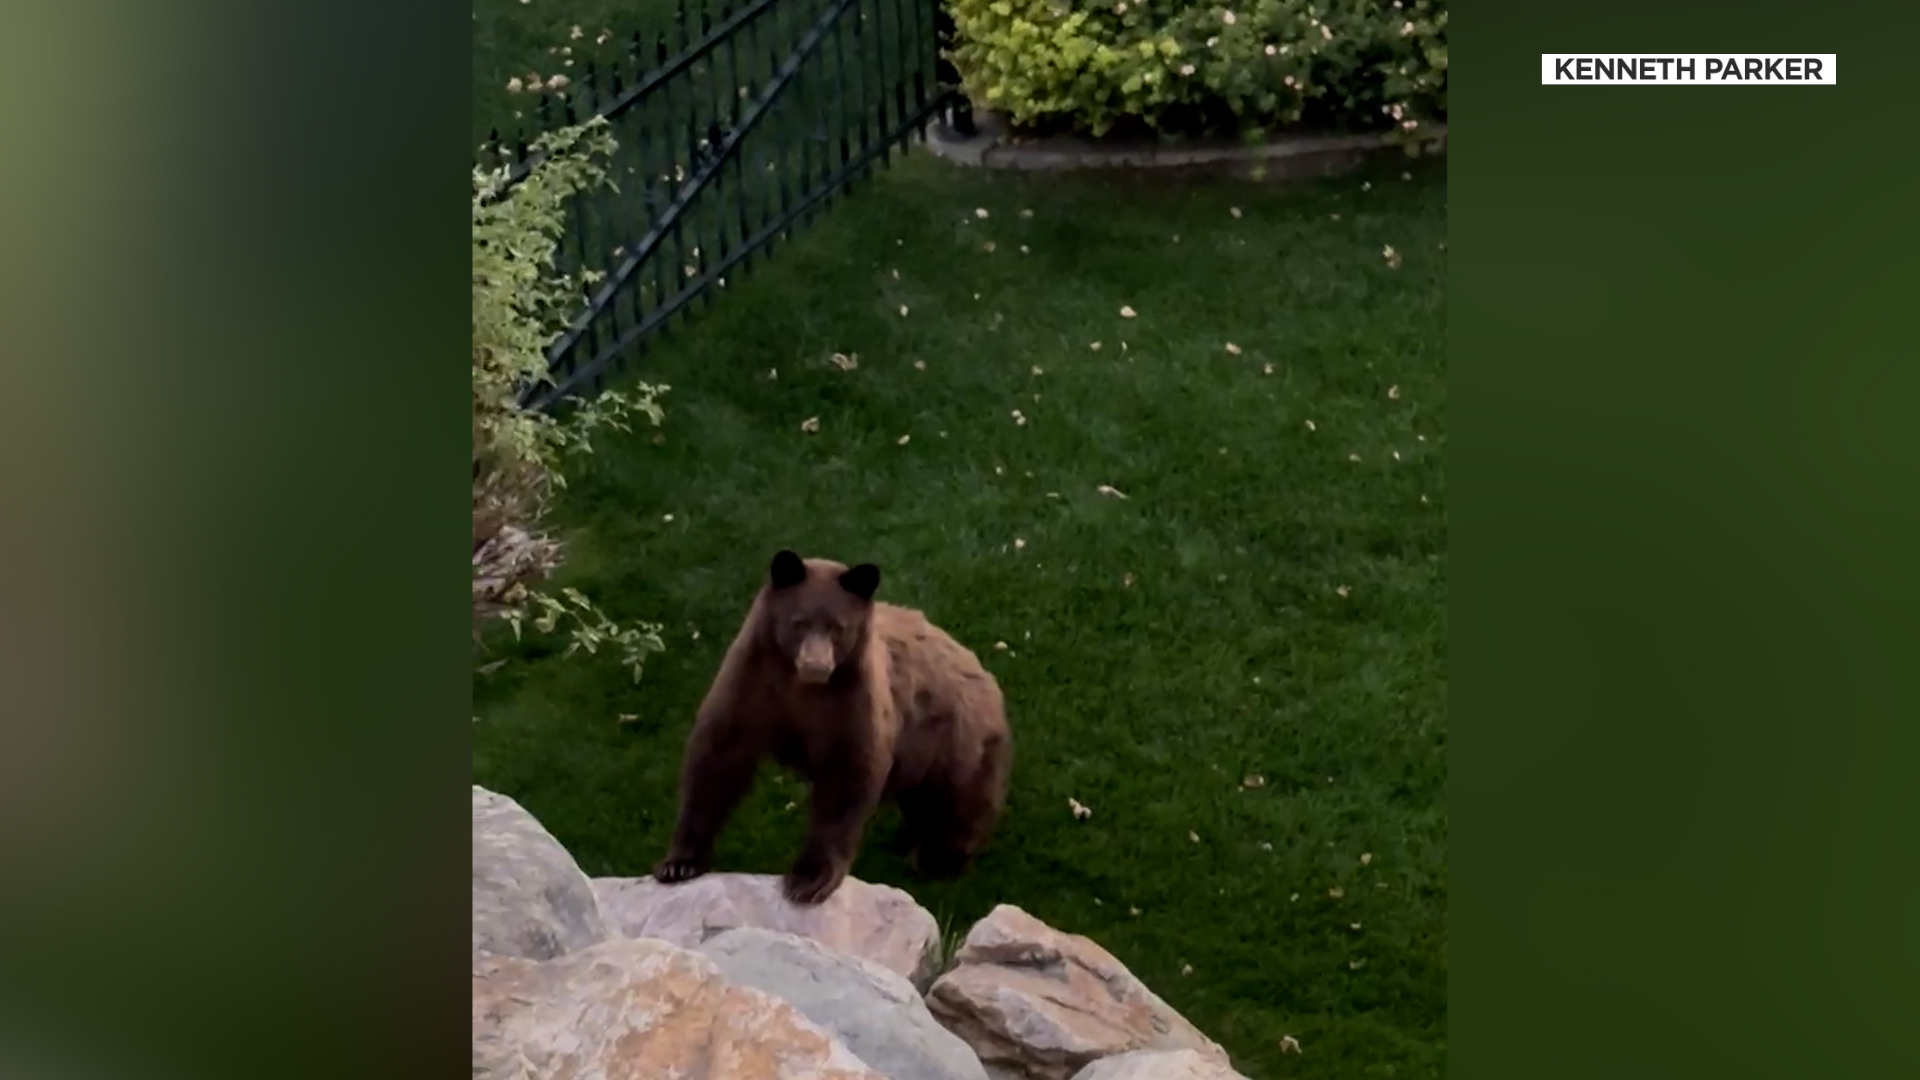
874	922
1158	1065
641	1010
1037	1004
874	1011
530	899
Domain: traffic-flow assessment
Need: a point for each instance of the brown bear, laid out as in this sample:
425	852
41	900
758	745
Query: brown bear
865	700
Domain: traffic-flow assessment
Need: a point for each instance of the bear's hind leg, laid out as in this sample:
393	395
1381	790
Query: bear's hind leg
957	817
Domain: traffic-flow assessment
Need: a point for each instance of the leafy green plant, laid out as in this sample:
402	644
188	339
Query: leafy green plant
521	303
1182	67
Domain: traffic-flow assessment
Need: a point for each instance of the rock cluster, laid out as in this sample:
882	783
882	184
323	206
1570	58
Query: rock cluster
721	979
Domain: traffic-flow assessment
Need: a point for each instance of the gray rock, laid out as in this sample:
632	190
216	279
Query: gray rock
874	922
1038	1004
873	1011
530	899
1158	1065
636	1009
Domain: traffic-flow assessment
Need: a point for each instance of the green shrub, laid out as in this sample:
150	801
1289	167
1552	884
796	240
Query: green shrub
1177	66
520	305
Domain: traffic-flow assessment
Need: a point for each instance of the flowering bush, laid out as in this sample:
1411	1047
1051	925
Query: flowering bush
520	304
1181	66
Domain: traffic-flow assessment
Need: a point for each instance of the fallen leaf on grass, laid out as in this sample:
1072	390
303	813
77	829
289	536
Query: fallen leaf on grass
987	247
1343	591
1353	457
1126	581
1289	1044
1266	369
902	440
1310	426
1109	489
773	373
810	425
1018	543
903	311
1232	349
1079	809
1186	969
1127	312
1019	418
1037	371
1393	393
627	718
1254	781
1193	836
1366	858
1392	257
981	213
1234	210
1095	346
1026	213
1336	892
919	365
1000	646
845	362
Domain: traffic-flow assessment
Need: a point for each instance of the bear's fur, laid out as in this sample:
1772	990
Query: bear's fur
867	701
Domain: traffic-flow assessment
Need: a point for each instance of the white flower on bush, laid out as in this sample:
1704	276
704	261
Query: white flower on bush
1227	17
1186	69
1407	30
1271	50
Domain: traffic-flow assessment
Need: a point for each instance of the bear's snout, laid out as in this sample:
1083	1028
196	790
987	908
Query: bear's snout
815	662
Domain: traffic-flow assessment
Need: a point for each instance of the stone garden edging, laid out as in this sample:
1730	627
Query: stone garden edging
1282	157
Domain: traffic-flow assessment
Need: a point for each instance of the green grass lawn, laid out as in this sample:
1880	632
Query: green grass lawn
1267	600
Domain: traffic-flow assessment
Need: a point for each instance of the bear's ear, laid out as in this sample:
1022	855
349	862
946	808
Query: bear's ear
788	570
862	581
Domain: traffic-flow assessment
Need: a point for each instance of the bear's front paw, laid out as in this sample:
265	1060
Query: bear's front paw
675	869
812	879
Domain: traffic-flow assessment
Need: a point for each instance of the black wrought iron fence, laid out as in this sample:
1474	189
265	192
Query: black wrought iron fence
733	129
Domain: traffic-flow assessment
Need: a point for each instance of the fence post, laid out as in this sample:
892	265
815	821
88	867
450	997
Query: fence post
960	114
